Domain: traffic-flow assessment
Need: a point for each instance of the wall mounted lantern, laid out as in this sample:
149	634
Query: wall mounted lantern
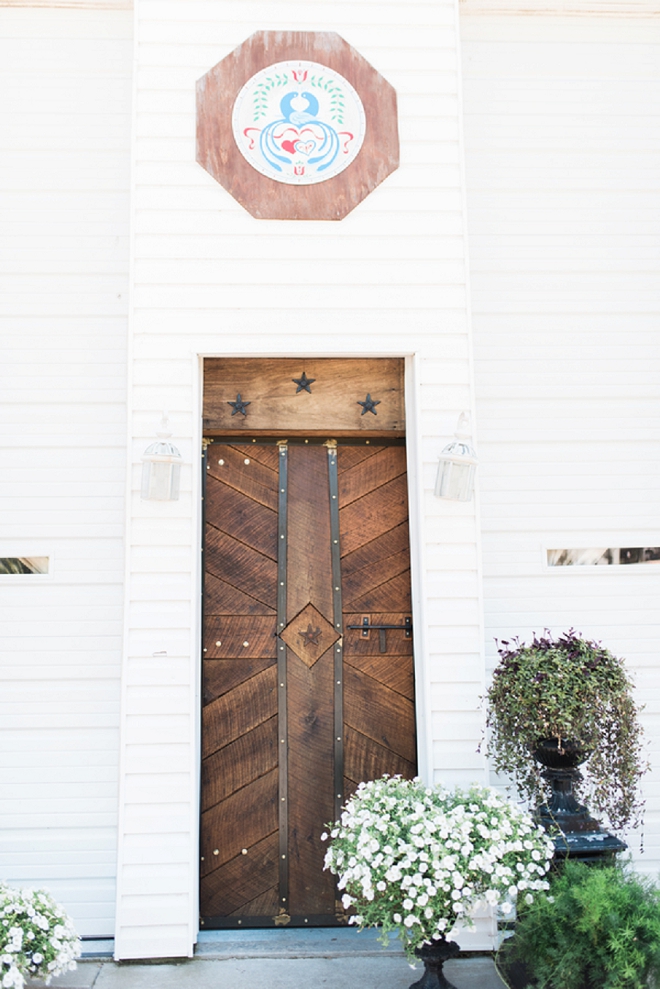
161	467
457	467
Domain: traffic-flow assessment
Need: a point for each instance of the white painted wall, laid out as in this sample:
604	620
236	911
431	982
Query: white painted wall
390	279
562	156
64	154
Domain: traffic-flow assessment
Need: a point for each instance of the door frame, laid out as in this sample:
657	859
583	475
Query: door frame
414	440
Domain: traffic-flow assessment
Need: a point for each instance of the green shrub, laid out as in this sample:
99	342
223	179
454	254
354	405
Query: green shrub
597	927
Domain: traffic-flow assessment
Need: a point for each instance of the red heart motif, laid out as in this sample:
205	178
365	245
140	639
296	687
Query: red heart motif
288	146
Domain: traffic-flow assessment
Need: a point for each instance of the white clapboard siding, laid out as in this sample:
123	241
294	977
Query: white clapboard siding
561	124
79	4
603	8
65	76
390	279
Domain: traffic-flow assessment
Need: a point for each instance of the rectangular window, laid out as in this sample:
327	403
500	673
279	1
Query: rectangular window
599	557
23	564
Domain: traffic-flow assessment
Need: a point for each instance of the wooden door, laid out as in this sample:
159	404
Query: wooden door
306	550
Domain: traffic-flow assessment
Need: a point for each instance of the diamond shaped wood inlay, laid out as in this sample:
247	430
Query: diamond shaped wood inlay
309	635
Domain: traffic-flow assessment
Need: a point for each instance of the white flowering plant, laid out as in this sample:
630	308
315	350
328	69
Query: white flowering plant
37	938
414	859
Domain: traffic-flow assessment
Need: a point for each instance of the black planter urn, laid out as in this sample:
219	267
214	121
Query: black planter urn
434	955
575	832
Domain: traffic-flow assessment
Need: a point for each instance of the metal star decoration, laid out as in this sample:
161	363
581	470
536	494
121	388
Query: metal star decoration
303	383
369	405
239	405
311	636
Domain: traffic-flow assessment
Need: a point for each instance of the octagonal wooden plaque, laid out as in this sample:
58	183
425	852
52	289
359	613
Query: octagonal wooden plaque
219	125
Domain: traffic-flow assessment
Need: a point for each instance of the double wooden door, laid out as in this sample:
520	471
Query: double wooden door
306	550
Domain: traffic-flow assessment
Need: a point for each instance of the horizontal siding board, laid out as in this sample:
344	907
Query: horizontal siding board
560	178
64	351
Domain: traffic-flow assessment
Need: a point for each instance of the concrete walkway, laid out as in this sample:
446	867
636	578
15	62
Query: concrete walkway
327	959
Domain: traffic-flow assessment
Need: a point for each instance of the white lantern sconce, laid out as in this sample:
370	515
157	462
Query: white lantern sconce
161	467
458	465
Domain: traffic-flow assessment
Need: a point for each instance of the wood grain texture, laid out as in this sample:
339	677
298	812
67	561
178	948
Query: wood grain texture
378	550
220	598
264	197
254	479
238	564
222	675
239	763
238	711
386	595
239	886
364	582
240	745
379	688
240	637
310	692
242	516
380	713
309	563
365	759
371	474
263	453
240	821
367	518
354	454
311	759
331	408
265	905
394	671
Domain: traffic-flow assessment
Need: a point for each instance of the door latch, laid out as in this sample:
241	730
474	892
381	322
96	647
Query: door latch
382	630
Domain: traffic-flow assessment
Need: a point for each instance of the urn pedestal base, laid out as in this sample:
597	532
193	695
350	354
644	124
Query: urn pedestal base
580	835
434	956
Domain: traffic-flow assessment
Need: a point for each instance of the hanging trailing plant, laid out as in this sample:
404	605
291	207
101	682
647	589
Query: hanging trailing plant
574	691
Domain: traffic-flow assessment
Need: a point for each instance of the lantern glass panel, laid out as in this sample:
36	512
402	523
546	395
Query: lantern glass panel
455	481
160	481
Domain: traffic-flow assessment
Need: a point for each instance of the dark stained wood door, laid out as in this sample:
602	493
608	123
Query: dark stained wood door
294	699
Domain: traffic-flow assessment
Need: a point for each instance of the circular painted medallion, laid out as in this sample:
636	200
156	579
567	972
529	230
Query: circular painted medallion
298	122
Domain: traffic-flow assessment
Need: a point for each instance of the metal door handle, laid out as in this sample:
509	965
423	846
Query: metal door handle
382	630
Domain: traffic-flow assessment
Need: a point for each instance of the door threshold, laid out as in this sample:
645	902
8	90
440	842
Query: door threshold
316	942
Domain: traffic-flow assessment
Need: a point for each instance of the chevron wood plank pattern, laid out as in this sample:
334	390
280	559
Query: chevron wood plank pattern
379	692
369	475
241	821
239	786
239	763
377	550
242	744
239	886
368	517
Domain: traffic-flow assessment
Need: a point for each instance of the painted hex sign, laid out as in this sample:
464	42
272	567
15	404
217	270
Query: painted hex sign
297	125
298	122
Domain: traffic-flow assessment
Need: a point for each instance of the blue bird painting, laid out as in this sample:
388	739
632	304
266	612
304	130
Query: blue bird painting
300	135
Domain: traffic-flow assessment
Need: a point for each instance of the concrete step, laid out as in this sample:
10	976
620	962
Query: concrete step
384	971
